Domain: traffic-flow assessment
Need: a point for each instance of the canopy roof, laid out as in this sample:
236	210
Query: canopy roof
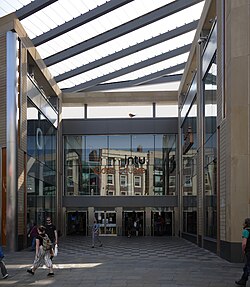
110	45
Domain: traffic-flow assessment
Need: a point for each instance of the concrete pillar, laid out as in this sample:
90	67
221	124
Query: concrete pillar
148	221
118	220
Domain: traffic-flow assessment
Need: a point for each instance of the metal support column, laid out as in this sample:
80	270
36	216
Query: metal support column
11	141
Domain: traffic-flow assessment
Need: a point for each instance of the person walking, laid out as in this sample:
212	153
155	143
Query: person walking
95	234
43	252
2	264
245	245
33	233
51	231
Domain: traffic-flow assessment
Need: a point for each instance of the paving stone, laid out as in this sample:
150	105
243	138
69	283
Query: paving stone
123	262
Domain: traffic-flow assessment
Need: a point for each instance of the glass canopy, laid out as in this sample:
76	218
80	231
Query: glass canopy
100	45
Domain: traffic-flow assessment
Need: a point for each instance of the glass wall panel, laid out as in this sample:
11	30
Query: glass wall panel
189	169
120	165
210	151
41	166
190	220
75	165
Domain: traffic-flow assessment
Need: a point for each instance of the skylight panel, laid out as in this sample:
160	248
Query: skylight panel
59	12
101	25
8	7
89	56
128	77
152	68
91	4
172	86
65	10
134	37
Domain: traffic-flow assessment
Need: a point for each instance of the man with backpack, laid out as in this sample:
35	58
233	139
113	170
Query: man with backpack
43	252
246	252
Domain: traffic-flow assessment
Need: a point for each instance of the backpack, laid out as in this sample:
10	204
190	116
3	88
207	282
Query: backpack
47	244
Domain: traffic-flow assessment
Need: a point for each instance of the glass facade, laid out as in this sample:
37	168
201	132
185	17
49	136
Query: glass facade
210	150
41	166
120	165
189	169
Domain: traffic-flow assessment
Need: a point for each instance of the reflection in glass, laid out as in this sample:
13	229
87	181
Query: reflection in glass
210	150
41	166
120	165
189	169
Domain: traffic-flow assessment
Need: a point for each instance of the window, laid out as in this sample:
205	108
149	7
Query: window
110	161
123	180
172	181
70	181
137	180
110	179
187	181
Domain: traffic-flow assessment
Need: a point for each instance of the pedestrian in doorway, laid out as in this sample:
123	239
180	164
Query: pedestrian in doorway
95	234
43	252
2	264
245	245
137	226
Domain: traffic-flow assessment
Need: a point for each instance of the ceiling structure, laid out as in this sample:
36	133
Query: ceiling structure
110	45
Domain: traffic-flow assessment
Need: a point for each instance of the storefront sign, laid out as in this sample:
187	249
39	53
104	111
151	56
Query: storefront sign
121	170
134	160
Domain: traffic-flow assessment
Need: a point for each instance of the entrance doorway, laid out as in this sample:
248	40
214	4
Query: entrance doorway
162	223
76	223
107	221
133	223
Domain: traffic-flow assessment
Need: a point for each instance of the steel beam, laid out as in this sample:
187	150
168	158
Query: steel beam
32	8
137	82
158	74
121	85
130	50
121	30
130	69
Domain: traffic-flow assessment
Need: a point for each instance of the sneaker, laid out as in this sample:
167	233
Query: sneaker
50	274
5	276
92	246
241	282
30	271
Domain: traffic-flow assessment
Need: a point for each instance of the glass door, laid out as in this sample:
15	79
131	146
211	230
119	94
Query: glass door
76	223
133	223
107	221
162	223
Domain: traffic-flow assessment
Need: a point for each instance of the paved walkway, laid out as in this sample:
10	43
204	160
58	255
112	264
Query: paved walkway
123	262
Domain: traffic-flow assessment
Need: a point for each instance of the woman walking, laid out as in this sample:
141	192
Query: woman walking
43	252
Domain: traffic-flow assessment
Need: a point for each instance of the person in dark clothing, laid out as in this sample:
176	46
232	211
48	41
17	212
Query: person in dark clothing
246	252
33	233
51	231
